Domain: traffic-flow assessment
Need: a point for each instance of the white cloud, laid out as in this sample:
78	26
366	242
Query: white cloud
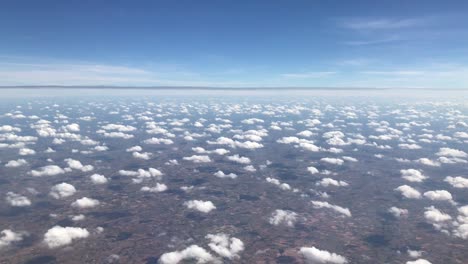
134	148
16	163
49	170
62	190
409	146
408	192
198	158
225	246
312	170
158	141
17	200
221	174
85	202
26	151
438	195
451	153
202	206
199	254
434	215
283	217
457	182
412	175
7	237
76	165
418	261
98	178
160	187
143	156
59	236
239	159
339	209
325	182
313	255
334	161
398	212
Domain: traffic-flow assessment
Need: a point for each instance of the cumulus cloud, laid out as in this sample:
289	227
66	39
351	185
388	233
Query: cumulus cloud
409	146
283	217
26	151
49	170
8	237
408	192
312	170
144	155
418	261
141	173
239	159
62	190
160	187
134	149
412	175
221	174
457	182
197	253
198	158
85	202
313	255
438	195
202	206
325	182
339	209
157	141
76	165
59	236
398	212
16	163
17	200
334	161
225	246
282	186
451	153
98	178
434	215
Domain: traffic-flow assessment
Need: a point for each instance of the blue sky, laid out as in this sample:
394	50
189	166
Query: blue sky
235	43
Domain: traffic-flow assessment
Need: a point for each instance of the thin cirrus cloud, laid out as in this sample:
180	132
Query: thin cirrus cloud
383	23
307	75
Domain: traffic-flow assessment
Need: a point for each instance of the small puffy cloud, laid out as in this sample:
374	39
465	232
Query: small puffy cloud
434	215
118	127
408	192
197	253
283	217
16	163
339	209
457	182
143	156
334	161
312	170
85	202
158	141
141	173
134	148
309	146
98	178
313	255
49	170
418	261
221	174
59	236
282	186
202	206
409	146
62	190
198	158
116	135
428	162
325	182
8	128
26	151
17	200
398	212
412	175
438	195
239	159
225	246
8	237
73	127
160	187
451	153
76	165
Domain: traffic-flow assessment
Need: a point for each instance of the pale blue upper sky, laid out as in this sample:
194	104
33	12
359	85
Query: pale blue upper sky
332	43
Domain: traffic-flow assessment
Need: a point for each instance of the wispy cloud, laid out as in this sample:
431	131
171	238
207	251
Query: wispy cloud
307	75
383	23
373	41
395	73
